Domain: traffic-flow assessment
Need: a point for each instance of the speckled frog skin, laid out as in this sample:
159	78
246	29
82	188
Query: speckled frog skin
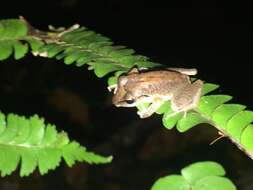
156	87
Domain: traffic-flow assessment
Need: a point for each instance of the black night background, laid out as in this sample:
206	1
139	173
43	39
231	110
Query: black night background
213	36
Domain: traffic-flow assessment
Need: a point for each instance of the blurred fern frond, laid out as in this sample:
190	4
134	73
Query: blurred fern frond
31	143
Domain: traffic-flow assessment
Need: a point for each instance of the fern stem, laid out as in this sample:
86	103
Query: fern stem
225	134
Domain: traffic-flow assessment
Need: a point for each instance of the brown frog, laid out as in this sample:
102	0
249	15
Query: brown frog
156	87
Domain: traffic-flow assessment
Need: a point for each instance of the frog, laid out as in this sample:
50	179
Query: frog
156	87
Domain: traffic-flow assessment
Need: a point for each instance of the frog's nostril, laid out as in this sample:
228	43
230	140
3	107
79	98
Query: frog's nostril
130	101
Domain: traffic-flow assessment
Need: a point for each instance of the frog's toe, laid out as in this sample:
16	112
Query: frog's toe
112	88
144	114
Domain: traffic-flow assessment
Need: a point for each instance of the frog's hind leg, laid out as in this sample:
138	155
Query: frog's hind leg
184	71
187	98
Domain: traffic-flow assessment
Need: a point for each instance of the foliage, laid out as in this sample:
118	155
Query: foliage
33	144
206	175
76	45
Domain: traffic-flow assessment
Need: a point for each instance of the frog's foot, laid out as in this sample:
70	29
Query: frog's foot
144	114
112	88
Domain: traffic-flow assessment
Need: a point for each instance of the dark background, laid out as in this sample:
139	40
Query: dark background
213	36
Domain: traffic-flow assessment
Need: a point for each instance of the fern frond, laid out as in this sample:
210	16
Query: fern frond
81	46
206	175
31	143
14	38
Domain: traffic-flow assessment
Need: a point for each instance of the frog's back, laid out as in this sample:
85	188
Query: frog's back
158	82
154	76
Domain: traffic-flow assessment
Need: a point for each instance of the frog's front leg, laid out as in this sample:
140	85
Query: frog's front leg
155	104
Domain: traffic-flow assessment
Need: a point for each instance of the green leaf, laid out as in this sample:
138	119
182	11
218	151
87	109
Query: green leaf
209	103
34	43
9	160
90	157
96	45
5	50
129	60
246	138
112	81
103	68
208	87
29	157
9	133
51	49
86	58
214	183
31	144
170	119
199	170
12	28
121	53
23	132
190	120
72	57
224	112
19	49
50	135
36	130
49	159
74	152
238	122
171	182
164	107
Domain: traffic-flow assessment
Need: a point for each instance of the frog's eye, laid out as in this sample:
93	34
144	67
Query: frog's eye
130	101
